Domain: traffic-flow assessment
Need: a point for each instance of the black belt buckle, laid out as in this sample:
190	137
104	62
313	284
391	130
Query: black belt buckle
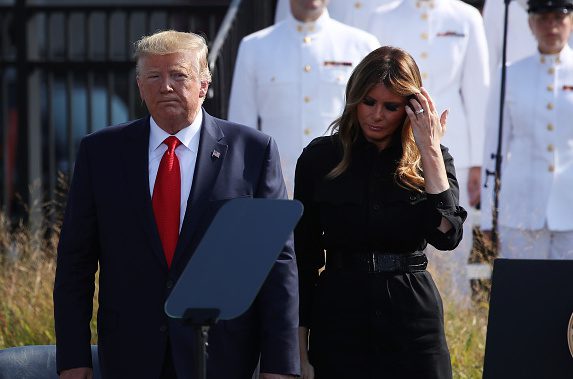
383	263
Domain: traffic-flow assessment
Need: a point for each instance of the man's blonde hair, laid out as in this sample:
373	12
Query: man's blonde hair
171	41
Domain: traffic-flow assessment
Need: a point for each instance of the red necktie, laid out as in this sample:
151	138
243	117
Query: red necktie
167	198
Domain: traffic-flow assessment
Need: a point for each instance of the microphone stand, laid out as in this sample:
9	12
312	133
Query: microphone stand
497	156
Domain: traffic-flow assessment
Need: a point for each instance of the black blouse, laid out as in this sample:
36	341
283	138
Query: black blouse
364	209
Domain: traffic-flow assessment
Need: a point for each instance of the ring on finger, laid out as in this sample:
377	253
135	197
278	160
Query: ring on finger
419	111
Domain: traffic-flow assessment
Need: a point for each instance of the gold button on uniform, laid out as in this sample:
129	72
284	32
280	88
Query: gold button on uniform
550	106
550	88
307	68
306	40
306	131
418	5
307	99
424	36
424	55
551	168
358	5
550	127
550	148
299	28
542	59
551	71
424	75
424	16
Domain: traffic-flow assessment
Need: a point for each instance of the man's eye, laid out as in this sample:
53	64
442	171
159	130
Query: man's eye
391	107
152	76
369	102
180	76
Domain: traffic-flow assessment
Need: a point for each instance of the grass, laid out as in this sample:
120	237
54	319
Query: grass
27	267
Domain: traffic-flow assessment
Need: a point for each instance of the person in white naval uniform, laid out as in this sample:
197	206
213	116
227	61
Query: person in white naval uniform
520	41
351	12
536	197
447	39
291	77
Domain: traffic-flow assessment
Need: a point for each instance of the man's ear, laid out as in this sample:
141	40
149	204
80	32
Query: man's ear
204	88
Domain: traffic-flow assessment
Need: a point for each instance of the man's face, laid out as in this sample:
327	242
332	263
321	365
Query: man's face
551	29
170	87
307	10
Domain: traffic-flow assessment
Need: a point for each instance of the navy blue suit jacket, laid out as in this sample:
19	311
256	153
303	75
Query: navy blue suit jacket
109	221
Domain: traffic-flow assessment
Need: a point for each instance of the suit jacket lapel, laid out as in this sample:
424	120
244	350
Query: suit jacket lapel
136	159
210	157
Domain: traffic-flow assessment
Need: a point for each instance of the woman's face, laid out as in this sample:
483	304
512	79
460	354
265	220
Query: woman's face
380	114
551	29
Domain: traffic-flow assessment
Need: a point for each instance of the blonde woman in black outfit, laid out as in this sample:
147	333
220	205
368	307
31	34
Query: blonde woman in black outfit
375	193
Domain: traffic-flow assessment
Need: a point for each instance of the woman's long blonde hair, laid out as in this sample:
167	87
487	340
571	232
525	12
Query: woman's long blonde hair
399	73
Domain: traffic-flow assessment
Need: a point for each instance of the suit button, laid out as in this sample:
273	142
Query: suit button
550	88
299	28
542	59
424	75
306	40
551	168
412	197
307	68
550	127
550	106
376	207
551	71
424	16
307	131
169	284
358	5
550	147
163	328
424	36
424	55
307	99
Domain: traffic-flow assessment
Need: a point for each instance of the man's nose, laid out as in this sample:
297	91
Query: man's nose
166	84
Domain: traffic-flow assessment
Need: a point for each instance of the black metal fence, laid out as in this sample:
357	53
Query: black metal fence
67	70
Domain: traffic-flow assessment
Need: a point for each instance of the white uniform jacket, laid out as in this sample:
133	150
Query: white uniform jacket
520	40
292	77
447	40
537	145
357	12
351	12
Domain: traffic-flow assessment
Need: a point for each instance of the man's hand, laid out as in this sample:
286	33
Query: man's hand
265	375
77	373
474	187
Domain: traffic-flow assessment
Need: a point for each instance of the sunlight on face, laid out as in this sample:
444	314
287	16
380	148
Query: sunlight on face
170	87
380	114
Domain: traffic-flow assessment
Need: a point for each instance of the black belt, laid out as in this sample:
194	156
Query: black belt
375	261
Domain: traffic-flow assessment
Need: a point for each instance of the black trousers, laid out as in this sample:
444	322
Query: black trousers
382	325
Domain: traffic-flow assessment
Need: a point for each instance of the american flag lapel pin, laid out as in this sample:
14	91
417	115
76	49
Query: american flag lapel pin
215	154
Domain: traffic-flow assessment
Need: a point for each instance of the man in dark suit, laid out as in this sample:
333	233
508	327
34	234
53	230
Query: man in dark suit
142	196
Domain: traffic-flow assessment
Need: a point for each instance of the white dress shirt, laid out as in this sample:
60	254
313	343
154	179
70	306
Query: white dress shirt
186	153
537	145
292	77
447	40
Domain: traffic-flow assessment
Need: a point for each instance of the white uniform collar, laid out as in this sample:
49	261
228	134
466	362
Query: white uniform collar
565	55
424	4
189	136
308	27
